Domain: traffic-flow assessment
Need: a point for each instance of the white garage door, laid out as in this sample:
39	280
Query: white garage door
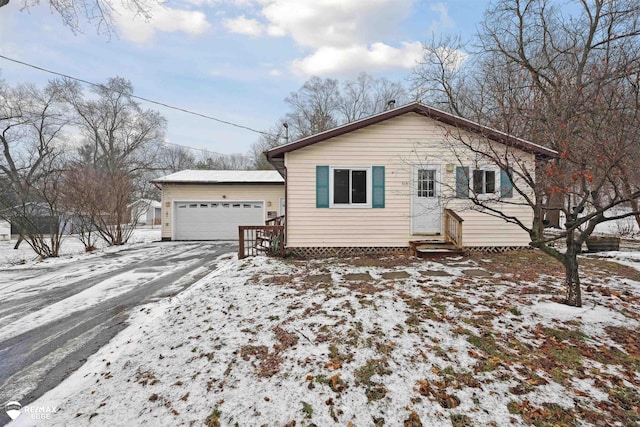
215	220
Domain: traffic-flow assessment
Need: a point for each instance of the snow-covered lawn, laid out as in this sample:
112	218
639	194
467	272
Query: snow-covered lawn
70	248
476	340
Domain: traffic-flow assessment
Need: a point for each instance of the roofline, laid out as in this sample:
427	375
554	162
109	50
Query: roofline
160	181
419	108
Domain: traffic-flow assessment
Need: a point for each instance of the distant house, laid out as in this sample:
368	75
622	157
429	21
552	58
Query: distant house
145	212
211	204
377	184
5	231
37	218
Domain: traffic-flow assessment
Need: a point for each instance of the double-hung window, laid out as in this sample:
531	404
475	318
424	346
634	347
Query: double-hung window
350	187
484	181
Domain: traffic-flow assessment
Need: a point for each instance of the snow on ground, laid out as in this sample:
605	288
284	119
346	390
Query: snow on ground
70	249
466	341
30	279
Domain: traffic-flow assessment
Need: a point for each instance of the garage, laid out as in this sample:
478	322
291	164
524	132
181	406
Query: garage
217	220
211	204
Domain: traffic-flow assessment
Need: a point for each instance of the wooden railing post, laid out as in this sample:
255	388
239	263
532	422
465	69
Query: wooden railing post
267	238
453	227
241	242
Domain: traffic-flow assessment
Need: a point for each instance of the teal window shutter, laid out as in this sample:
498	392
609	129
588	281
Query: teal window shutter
462	181
322	186
506	186
377	179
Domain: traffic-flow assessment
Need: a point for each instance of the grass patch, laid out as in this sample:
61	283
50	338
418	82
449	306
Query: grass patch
460	420
213	420
307	410
373	389
564	334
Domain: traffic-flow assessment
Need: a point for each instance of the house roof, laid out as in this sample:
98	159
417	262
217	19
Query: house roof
221	177
416	107
146	202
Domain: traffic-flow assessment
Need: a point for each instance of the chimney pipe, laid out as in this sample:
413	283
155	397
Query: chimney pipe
286	132
391	104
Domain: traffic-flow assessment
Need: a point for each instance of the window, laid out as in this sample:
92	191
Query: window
351	187
347	187
484	181
426	183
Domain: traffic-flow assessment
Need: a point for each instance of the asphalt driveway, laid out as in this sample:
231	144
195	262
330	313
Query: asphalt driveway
53	316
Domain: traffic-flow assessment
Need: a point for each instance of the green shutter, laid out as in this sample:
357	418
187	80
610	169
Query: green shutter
377	179
462	181
322	186
506	186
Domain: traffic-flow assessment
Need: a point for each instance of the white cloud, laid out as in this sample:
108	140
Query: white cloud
163	19
319	23
335	60
244	26
342	35
444	21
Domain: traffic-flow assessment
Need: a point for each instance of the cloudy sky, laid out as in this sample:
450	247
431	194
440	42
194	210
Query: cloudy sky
235	60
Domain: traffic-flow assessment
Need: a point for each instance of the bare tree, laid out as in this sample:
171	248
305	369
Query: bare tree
278	134
100	203
31	125
118	134
442	79
565	79
366	96
313	107
174	158
96	12
121	143
216	161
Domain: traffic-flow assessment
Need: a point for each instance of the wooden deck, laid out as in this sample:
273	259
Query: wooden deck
265	239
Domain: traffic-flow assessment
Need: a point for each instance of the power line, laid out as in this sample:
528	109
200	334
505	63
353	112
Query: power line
137	97
204	150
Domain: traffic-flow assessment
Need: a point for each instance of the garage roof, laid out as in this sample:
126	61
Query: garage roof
221	177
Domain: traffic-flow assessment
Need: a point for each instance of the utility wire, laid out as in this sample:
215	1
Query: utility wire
137	97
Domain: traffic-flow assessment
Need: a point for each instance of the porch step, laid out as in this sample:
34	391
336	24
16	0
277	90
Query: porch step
427	248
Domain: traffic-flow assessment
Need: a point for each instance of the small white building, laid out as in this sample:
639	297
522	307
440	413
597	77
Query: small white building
146	212
5	231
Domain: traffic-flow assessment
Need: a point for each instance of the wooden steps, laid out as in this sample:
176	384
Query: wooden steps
429	248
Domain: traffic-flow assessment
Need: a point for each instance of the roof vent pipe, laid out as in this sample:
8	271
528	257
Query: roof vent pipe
391	104
286	132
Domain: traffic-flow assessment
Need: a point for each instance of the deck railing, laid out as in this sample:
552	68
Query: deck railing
256	239
453	227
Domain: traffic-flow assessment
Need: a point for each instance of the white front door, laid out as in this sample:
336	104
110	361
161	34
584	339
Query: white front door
425	199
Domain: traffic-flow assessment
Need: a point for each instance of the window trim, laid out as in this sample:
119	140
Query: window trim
496	194
350	205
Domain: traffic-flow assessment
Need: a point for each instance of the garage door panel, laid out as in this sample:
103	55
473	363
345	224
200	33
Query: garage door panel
215	220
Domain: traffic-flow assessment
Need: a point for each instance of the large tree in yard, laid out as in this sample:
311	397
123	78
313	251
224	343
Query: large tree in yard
120	143
565	76
32	163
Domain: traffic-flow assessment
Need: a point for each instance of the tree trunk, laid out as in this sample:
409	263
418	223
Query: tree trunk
20	239
572	279
635	206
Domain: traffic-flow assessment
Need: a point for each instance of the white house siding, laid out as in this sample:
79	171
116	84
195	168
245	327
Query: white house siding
396	143
270	194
